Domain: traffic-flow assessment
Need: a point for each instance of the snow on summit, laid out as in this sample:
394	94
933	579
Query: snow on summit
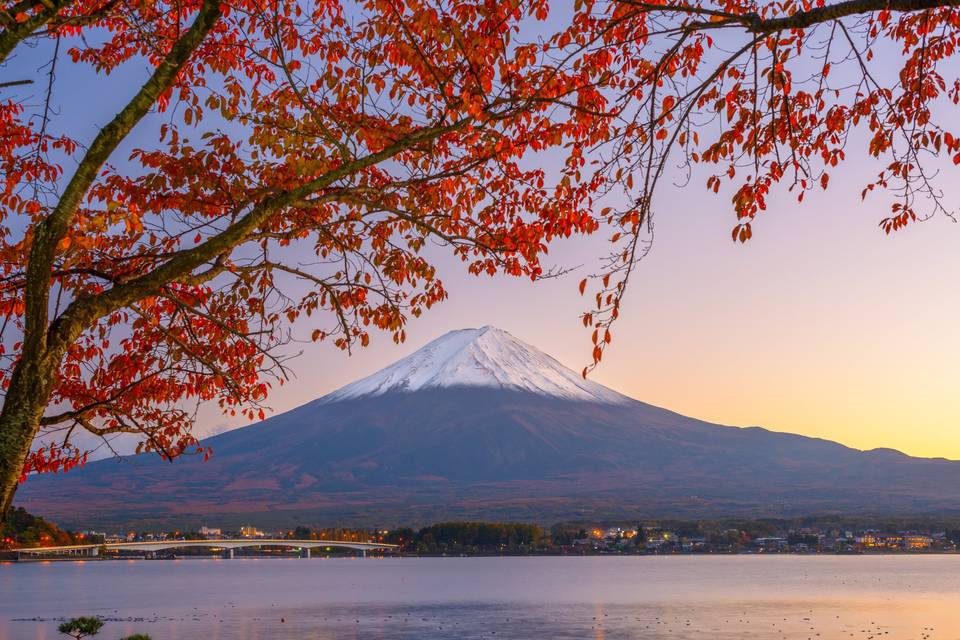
484	357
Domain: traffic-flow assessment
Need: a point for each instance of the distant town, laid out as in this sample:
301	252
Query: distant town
490	538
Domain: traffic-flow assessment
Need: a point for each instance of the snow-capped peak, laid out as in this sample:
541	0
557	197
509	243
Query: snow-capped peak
484	357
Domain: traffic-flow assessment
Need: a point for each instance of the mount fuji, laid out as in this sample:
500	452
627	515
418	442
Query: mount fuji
478	424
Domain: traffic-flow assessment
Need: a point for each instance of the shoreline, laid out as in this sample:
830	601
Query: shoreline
102	558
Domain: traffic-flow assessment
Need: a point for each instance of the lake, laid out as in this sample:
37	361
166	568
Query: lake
677	598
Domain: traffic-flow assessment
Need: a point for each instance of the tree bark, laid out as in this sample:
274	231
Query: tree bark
30	388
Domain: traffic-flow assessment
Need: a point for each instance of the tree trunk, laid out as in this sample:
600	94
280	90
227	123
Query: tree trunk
30	387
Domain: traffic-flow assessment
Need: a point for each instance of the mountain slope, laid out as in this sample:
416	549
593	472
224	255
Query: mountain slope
479	424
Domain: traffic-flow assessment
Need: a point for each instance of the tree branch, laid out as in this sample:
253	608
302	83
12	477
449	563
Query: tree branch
800	20
16	32
52	229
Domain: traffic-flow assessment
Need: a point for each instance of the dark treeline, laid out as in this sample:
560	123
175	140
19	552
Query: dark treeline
471	537
444	537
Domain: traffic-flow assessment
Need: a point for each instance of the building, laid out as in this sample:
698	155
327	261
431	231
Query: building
616	533
917	542
772	544
878	541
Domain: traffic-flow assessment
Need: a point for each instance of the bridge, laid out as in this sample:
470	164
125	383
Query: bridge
151	547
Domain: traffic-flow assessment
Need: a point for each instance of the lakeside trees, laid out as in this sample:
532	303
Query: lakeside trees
22	529
443	537
296	159
479	537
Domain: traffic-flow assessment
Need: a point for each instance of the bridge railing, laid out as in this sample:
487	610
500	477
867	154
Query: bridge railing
226	544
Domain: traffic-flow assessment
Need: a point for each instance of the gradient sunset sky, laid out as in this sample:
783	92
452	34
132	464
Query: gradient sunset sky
821	325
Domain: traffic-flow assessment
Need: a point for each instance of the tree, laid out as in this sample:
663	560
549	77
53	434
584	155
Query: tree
304	160
81	627
641	538
23	529
360	135
403	537
303	533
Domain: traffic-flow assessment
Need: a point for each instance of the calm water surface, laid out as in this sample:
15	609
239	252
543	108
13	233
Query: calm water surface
675	598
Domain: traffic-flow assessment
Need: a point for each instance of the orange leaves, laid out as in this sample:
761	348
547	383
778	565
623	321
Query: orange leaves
667	105
53	458
903	214
742	232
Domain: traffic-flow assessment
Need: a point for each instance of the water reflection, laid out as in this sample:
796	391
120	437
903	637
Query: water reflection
604	598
